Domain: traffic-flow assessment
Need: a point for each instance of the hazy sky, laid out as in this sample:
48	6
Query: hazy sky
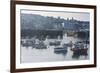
63	14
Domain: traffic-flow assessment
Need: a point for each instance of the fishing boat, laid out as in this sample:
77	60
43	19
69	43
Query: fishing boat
79	50
60	50
55	43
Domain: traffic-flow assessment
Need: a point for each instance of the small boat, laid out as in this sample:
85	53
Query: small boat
56	43
67	45
27	43
40	45
79	52
79	49
60	50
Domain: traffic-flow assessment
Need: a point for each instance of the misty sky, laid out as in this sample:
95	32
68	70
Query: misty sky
63	14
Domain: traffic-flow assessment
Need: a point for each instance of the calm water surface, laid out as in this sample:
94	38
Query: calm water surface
29	54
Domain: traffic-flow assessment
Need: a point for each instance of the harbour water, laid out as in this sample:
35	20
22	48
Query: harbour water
50	54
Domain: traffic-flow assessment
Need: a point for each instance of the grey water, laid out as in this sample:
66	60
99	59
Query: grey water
49	54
